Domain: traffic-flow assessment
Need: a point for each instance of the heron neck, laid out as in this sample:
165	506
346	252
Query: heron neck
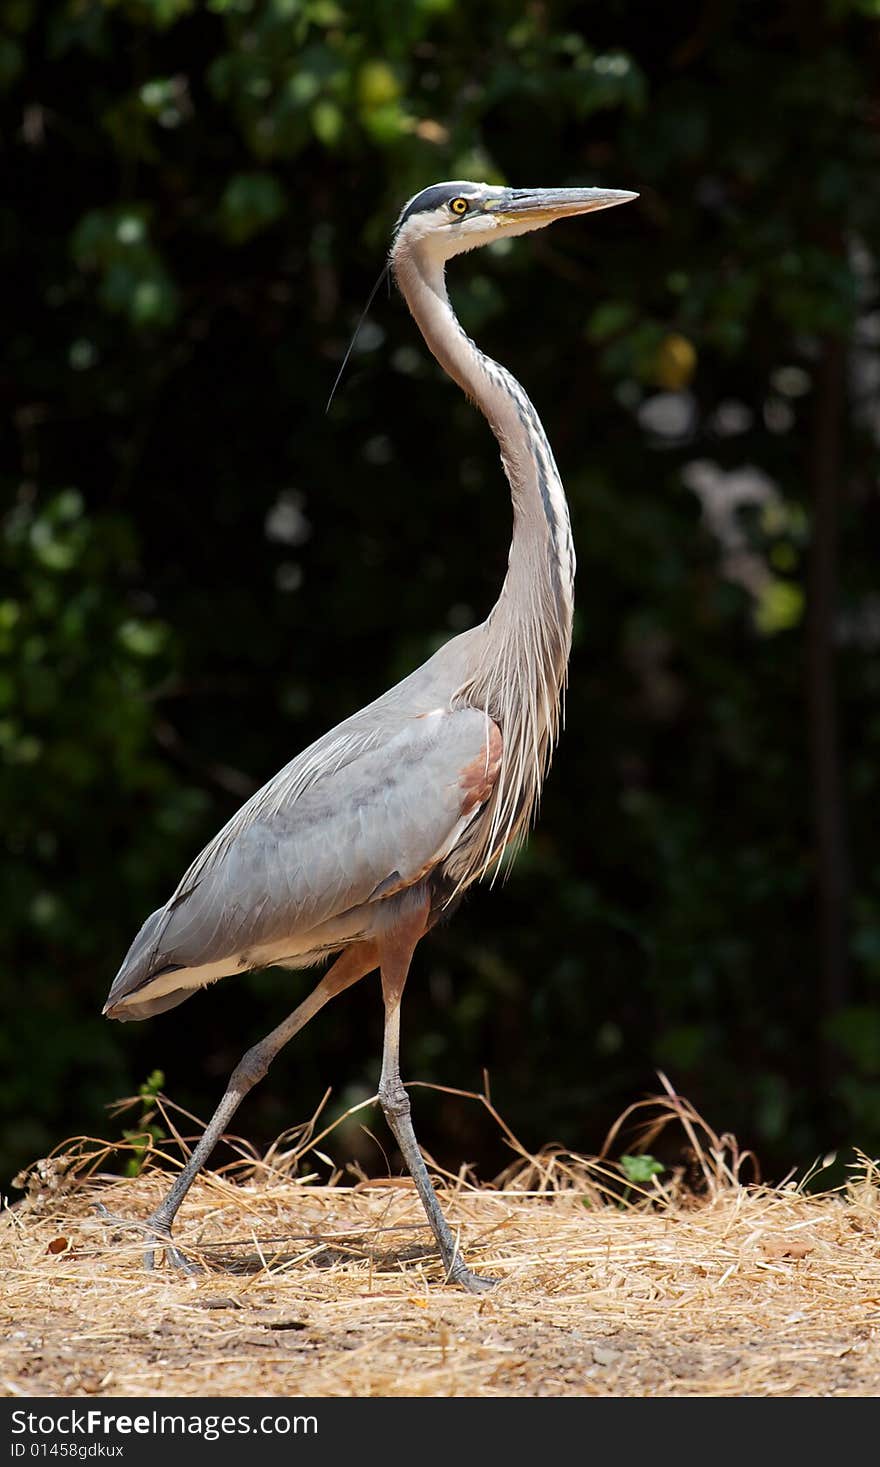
538	592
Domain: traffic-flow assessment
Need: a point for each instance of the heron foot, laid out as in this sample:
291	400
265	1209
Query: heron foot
474	1283
161	1238
158	1234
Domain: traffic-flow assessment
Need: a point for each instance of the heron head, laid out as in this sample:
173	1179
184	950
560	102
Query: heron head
449	218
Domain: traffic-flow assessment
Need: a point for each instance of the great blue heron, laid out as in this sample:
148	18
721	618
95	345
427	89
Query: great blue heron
359	844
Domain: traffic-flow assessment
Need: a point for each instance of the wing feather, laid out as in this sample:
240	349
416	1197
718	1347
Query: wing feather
356	821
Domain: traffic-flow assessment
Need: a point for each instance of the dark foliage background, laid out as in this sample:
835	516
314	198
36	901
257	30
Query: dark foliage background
201	571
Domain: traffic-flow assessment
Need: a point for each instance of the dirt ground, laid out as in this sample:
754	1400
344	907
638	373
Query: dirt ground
332	1291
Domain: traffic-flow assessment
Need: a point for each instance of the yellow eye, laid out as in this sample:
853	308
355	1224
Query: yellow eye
459	206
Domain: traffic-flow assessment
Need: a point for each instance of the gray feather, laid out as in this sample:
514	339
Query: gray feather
371	819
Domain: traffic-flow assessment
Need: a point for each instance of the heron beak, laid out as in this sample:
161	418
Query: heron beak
538	206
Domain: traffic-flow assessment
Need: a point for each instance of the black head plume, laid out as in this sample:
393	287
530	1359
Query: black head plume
370	298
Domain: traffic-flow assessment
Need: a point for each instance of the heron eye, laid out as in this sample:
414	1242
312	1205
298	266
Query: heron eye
459	206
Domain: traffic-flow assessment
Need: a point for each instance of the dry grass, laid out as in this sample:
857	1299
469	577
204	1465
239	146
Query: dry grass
705	1285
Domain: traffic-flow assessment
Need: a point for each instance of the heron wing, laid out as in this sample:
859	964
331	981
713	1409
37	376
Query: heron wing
370	820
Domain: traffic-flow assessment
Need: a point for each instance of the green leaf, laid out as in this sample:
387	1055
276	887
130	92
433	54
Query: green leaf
640	1169
142	638
327	121
251	202
609	318
780	607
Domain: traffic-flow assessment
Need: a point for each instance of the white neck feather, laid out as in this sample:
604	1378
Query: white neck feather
519	675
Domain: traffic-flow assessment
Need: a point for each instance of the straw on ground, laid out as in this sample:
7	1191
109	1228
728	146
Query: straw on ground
698	1283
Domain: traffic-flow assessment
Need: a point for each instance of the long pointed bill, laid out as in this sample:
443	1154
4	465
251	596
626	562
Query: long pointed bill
537	206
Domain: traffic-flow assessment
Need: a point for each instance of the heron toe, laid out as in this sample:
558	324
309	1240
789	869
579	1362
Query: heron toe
474	1283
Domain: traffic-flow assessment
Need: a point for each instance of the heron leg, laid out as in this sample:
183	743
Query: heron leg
354	963
396	954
